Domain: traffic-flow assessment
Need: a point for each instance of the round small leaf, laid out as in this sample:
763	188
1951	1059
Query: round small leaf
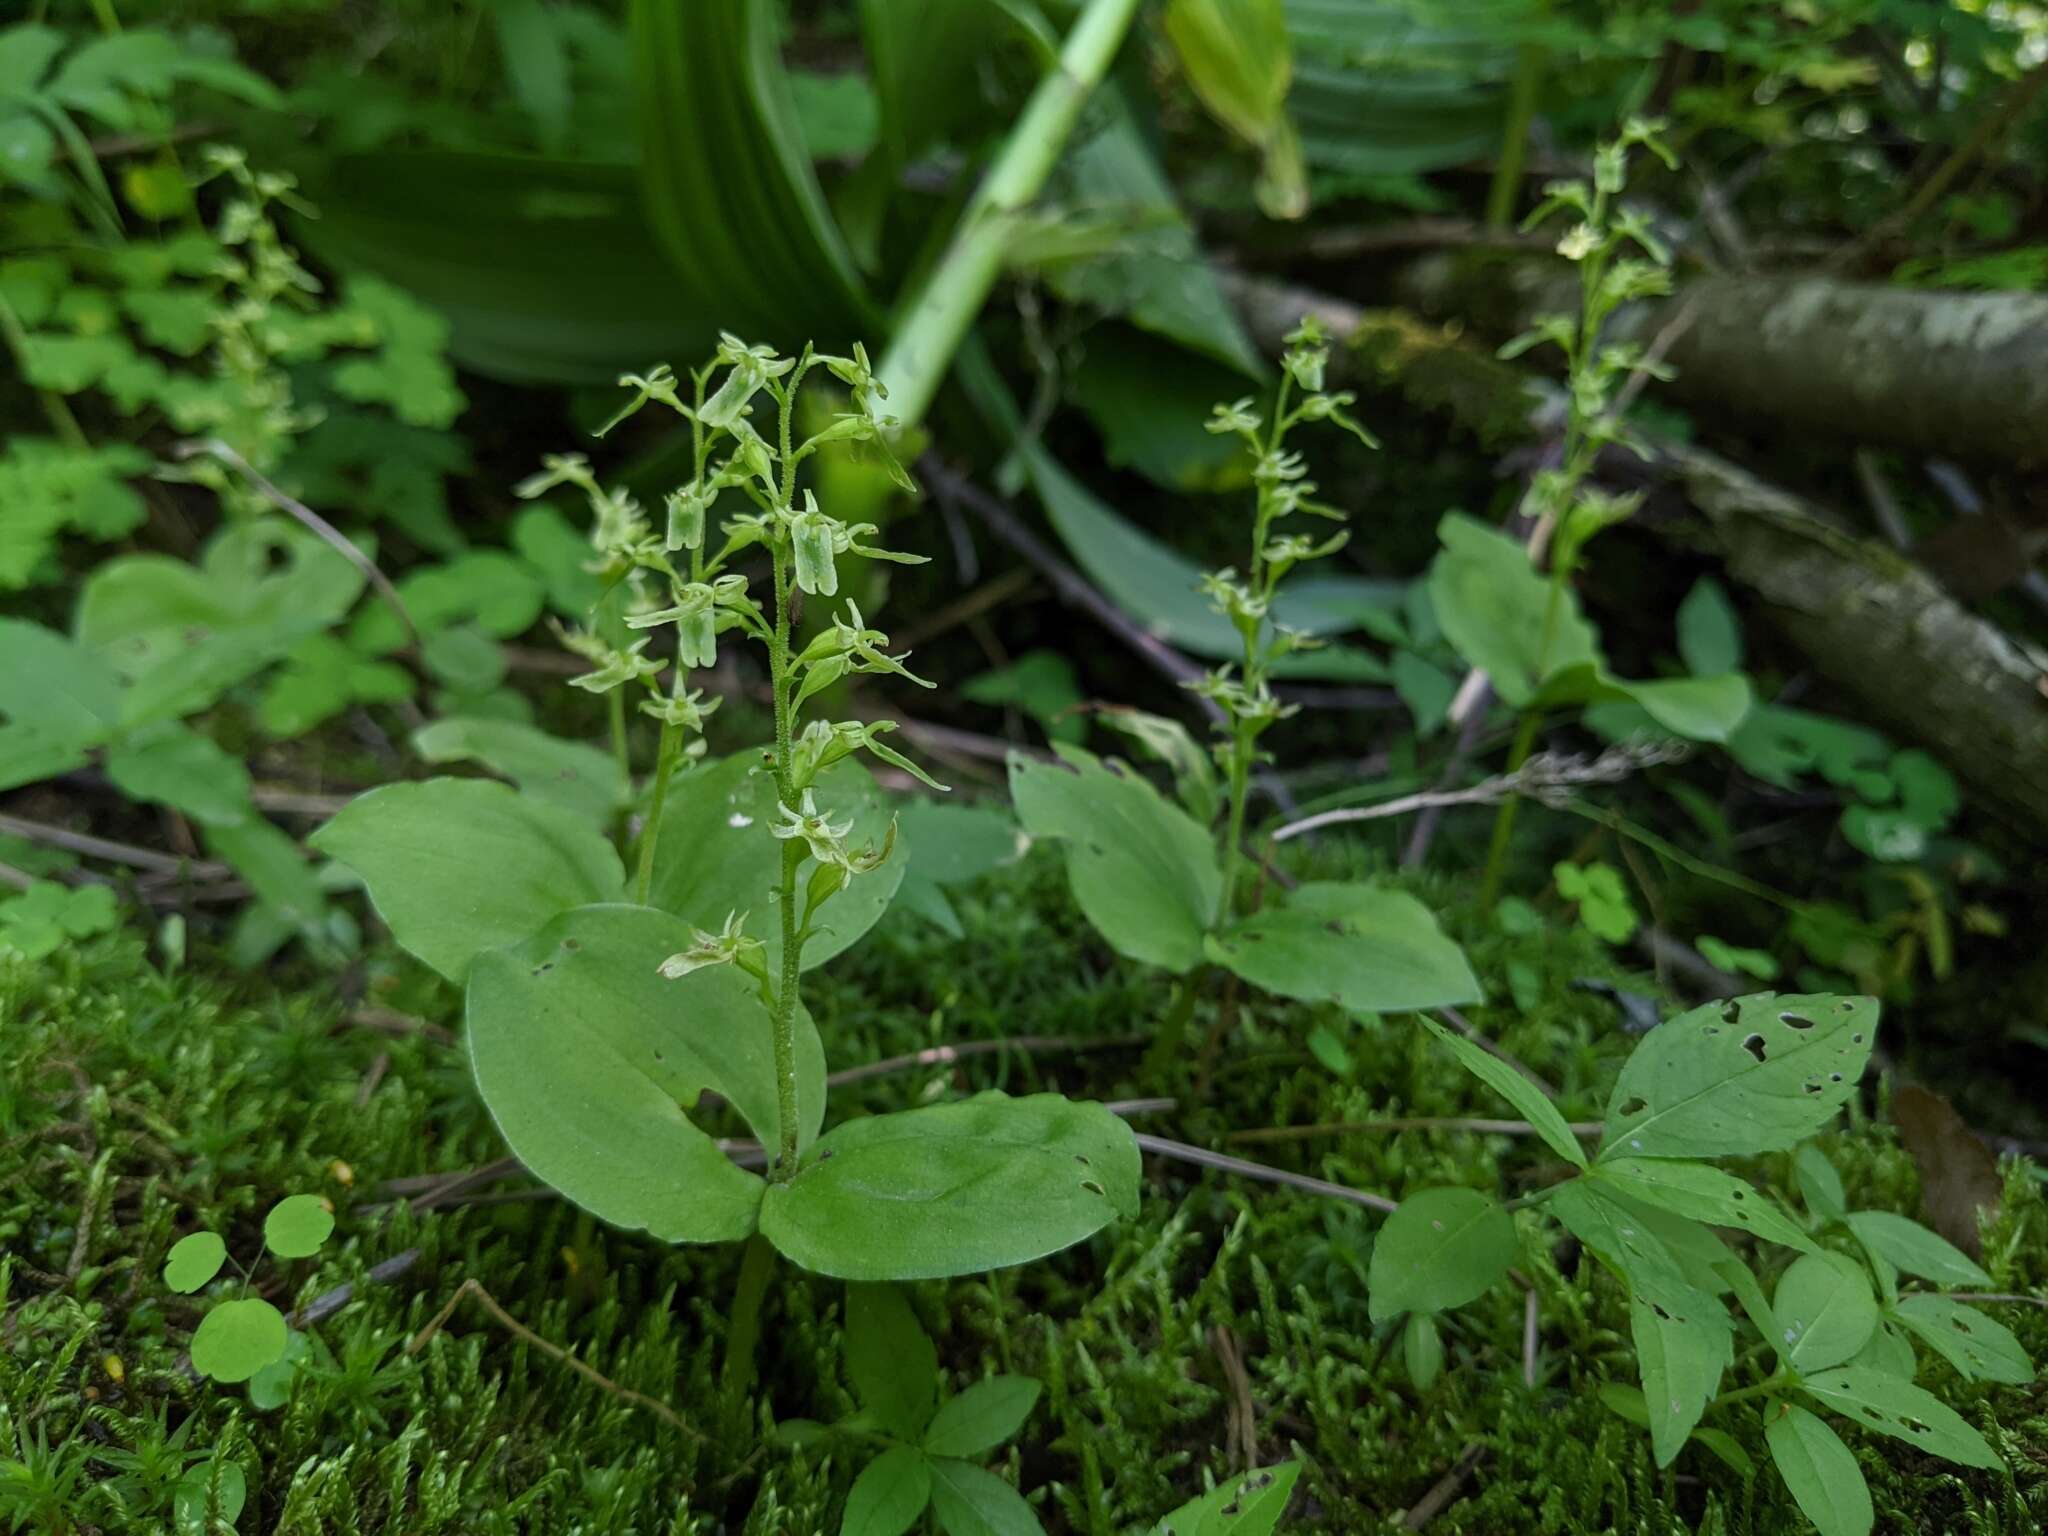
1825	1311
1439	1250
193	1261
297	1225
237	1339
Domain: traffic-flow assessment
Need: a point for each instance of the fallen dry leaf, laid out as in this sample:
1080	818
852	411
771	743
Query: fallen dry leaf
1958	1175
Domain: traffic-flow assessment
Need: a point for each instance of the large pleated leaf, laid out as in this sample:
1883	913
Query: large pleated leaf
728	185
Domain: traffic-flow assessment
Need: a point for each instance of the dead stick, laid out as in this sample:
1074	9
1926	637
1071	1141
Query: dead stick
1243	1168
1590	1129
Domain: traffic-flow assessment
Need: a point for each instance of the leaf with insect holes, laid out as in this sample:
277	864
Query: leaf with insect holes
586	1057
1504	1080
1439	1249
1141	869
297	1225
1755	1074
1361	947
1980	1347
1825	1311
1702	1192
1249	1504
1912	1249
890	1357
457	867
889	1495
1664	1259
1902	1410
237	1339
954	1188
971	1501
1819	1471
194	1260
982	1417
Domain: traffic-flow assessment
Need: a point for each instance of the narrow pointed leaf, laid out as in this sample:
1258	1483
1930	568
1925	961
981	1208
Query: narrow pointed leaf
889	1495
1903	1411
1979	1346
1907	1246
1704	1193
983	1417
892	1361
1820	1472
1526	1097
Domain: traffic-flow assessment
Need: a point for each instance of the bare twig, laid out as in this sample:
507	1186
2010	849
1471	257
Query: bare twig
327	1303
1529	1337
1439	1497
1547	777
2024	1301
114	853
511	1324
1243	1413
946	1055
1589	1129
388	1021
341	543
1071	586
1180	1151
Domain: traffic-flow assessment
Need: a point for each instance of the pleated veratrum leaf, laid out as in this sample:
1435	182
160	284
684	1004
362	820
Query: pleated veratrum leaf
547	270
1820	1472
1757	1074
728	185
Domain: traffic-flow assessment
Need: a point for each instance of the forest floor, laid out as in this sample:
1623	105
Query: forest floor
1226	1326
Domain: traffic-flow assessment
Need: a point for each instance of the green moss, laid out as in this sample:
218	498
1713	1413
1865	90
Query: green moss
163	1104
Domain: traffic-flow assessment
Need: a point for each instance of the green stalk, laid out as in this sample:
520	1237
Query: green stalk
615	702
932	328
743	1332
785	896
664	765
1506	189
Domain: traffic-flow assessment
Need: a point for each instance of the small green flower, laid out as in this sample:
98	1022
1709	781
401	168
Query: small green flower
616	668
729	946
814	539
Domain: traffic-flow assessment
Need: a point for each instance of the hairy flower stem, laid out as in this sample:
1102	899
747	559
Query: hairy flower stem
784	1164
650	835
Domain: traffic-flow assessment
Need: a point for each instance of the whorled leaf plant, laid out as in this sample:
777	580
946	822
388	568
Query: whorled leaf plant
1158	883
604	1012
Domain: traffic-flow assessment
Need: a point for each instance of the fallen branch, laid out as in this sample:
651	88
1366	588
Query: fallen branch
1223	1162
1588	1129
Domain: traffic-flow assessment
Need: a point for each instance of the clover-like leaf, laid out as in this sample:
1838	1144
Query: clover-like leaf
193	1260
237	1339
297	1225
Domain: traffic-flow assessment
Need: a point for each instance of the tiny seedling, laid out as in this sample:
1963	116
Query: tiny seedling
604	1008
1150	874
1758	1074
926	1446
243	1338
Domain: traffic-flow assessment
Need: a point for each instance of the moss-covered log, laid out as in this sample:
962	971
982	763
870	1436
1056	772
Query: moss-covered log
1873	622
1964	375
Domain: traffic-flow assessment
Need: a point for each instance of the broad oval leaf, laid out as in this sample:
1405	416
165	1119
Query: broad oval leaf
1979	1346
716	855
193	1260
954	1188
1756	1074
456	867
1140	868
1911	1248
1504	1080
587	1058
1364	948
1440	1249
1819	1471
982	1417
568	774
889	1495
1900	1409
1825	1311
237	1339
895	1368
971	1501
297	1225
1249	1504
1704	1193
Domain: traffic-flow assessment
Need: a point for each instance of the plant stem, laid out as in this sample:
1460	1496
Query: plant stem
1777	1383
664	765
1514	140
1242	747
938	318
743	1332
1504	819
1173	1029
615	702
785	894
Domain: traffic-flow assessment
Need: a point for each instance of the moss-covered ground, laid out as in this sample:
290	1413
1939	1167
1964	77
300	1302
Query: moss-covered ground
1228	1322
